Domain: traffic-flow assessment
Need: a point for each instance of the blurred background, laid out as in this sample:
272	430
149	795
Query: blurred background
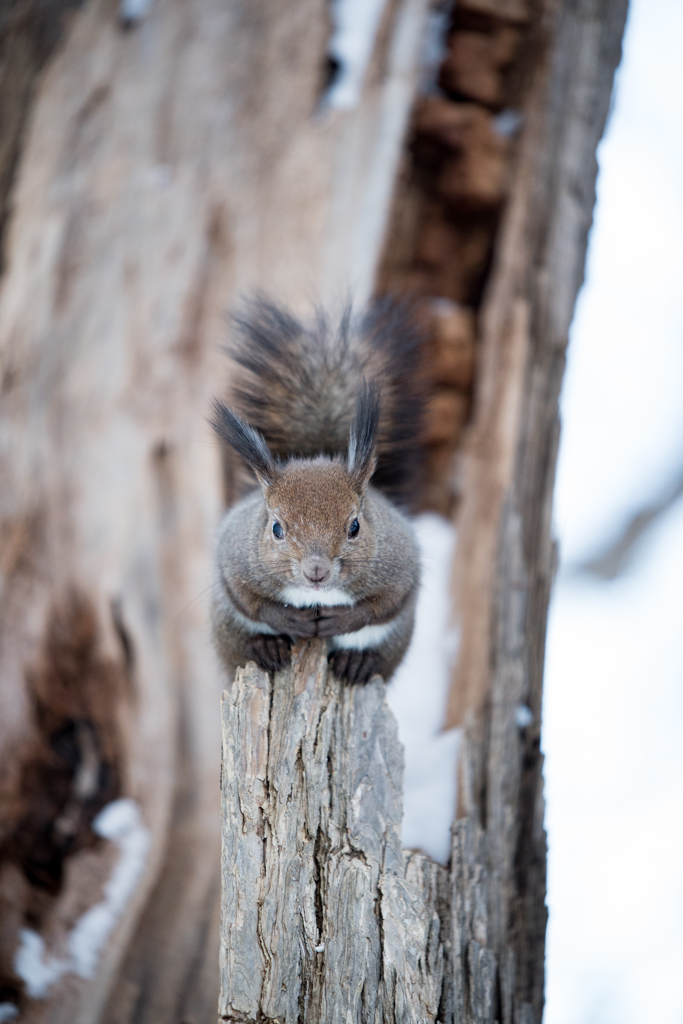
613	704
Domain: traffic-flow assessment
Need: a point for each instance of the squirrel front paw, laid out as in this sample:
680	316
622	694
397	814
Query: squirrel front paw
297	622
338	619
355	667
271	653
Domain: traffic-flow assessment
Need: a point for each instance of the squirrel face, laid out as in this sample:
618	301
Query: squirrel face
314	530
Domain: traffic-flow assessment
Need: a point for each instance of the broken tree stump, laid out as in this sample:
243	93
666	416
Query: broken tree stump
325	918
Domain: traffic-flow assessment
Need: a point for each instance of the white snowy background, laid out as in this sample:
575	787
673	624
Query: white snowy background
613	709
613	712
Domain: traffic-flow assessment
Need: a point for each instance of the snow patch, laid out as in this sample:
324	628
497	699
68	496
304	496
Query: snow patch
507	123
524	716
119	822
417	696
132	12
434	47
37	969
355	29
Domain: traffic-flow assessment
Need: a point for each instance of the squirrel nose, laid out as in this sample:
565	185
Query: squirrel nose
316	568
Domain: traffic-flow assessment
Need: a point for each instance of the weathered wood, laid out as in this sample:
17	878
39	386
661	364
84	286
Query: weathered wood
509	456
325	917
157	173
493	918
506	555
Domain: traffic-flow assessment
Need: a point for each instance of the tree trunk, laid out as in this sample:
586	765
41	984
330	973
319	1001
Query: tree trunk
317	769
324	919
160	169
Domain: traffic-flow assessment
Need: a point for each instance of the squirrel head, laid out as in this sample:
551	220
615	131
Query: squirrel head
314	532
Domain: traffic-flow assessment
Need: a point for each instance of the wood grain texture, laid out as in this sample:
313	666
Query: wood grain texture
325	917
567	66
162	171
505	559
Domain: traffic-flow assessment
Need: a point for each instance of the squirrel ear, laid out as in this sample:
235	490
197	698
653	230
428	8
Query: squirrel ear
362	458
246	441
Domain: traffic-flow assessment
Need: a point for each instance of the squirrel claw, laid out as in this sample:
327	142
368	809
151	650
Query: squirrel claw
355	667
271	653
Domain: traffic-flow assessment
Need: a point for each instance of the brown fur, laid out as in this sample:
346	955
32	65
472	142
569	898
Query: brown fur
315	503
296	383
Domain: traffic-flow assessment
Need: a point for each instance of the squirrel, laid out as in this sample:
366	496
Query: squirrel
327	419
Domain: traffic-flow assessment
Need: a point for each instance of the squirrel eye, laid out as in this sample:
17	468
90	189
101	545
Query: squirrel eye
278	531
354	528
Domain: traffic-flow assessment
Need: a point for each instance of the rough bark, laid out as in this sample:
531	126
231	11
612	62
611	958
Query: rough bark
157	173
493	917
325	917
506	555
508	460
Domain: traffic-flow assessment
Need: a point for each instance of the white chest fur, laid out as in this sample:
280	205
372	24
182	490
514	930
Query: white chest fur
306	597
368	636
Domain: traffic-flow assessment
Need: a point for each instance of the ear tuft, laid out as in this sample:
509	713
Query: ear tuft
362	458
247	442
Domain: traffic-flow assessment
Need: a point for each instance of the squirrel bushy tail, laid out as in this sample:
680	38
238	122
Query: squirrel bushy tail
298	384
